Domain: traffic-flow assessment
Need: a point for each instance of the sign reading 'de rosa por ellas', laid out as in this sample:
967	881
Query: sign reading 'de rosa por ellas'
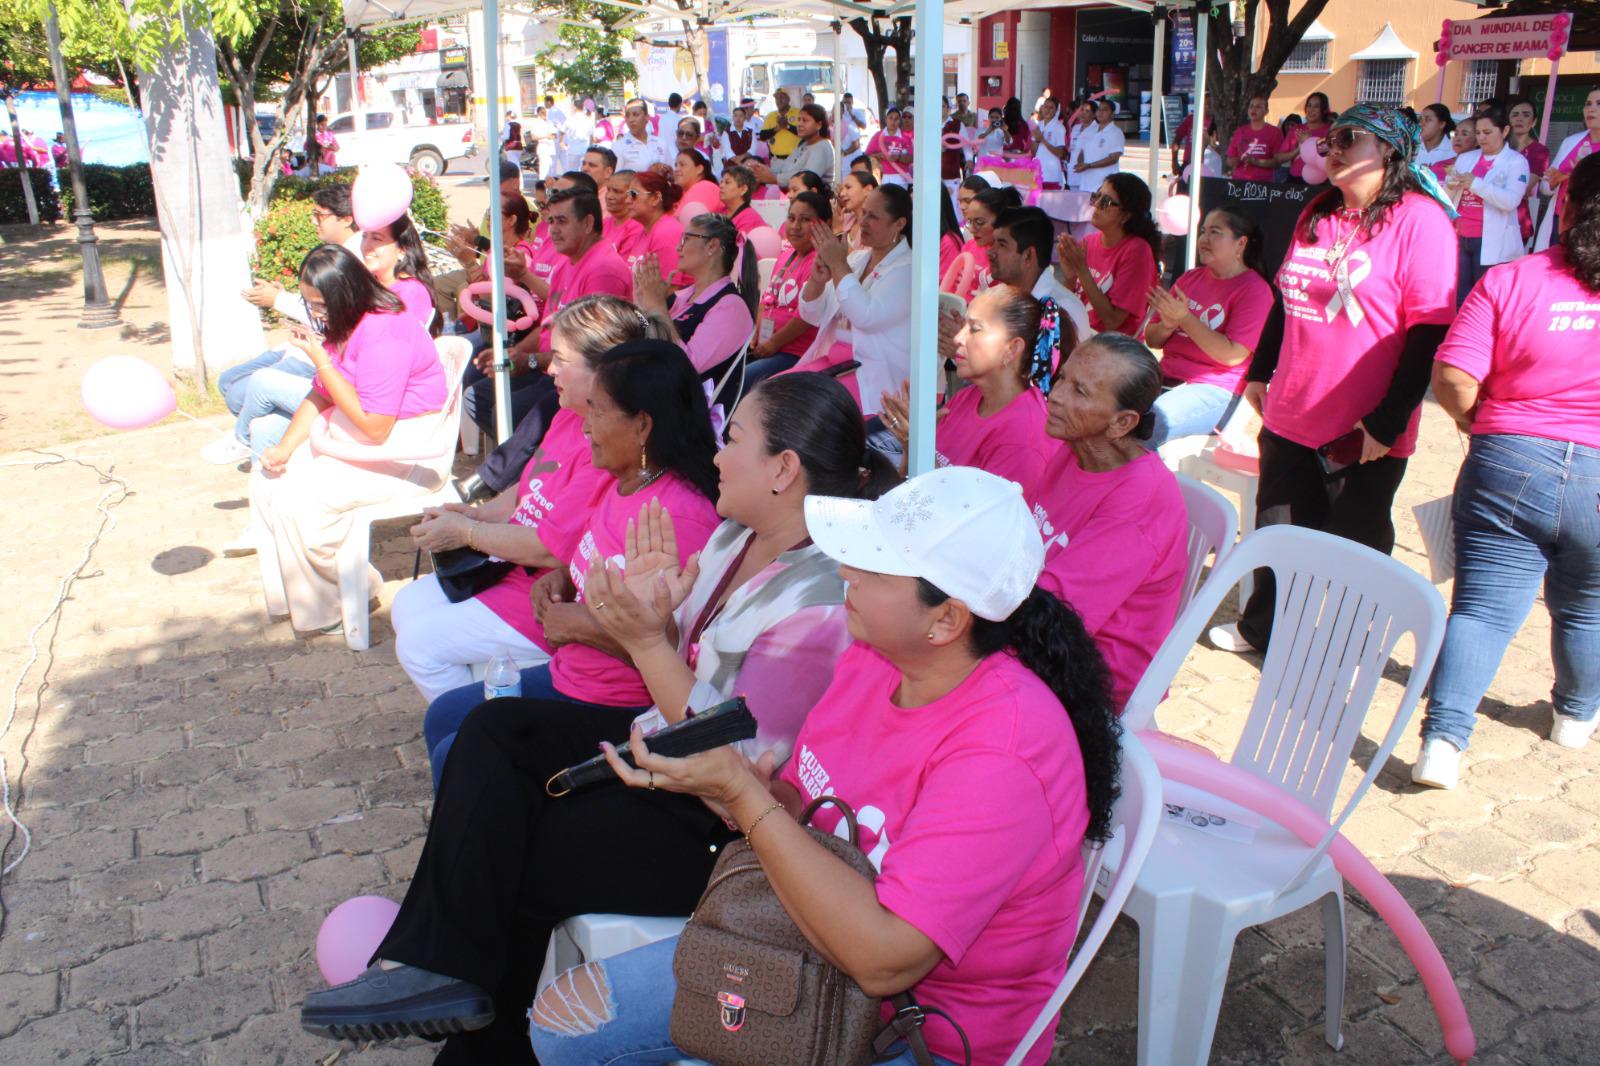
1522	37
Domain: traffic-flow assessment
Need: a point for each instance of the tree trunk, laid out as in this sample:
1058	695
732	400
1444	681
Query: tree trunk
694	36
205	249
874	44
1232	81
22	160
900	41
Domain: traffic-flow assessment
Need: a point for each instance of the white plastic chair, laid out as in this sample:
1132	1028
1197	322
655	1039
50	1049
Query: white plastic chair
1206	459
1341	609
354	555
1134	821
589	937
764	269
1213	528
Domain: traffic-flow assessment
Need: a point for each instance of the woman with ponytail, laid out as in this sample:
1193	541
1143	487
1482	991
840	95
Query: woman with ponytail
1518	371
1115	528
969	726
1113	268
758	613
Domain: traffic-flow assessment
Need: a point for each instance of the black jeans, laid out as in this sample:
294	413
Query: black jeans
1292	491
529	392
504	864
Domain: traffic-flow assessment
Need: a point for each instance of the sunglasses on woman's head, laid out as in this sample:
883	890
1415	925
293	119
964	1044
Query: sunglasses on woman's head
1342	138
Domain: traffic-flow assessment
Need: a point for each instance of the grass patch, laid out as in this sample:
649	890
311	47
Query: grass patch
192	400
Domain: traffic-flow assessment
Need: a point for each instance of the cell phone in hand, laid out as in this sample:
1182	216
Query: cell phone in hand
1341	455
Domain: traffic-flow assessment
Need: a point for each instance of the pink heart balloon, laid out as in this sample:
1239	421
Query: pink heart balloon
125	392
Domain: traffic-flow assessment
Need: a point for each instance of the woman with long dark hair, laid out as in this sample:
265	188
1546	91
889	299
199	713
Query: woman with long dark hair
1490	183
378	374
1365	306
1518	372
1318	121
853	192
1113	268
701	192
1019	139
813	153
979	811
782	336
395	255
1437	128
1208	326
759	613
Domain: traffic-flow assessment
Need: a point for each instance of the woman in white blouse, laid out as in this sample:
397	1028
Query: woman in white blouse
1489	183
860	300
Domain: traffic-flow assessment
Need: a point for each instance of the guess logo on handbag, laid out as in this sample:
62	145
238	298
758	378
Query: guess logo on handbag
732	1011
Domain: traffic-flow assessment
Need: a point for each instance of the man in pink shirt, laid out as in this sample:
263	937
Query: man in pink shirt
592	266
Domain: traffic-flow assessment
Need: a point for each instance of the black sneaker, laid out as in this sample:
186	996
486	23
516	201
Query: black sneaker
389	1004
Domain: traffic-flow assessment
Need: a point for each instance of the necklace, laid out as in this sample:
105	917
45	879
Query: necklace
647	478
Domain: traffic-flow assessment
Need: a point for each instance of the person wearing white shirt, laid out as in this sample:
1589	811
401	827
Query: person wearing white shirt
579	136
1097	150
738	142
511	139
858	300
1050	146
1488	183
636	147
852	124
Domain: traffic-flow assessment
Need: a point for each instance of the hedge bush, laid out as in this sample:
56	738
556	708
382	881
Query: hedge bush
427	201
114	192
284	236
14	208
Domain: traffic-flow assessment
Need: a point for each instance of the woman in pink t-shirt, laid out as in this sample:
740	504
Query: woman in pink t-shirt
1315	127
395	255
891	149
1113	268
377	377
782	336
1115	528
440	633
1254	147
1207	328
618	228
998	424
652	198
981	215
968	727
1518	371
1365	306
735	194
692	172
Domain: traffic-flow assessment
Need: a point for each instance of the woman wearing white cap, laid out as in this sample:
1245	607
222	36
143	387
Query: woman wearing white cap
969	727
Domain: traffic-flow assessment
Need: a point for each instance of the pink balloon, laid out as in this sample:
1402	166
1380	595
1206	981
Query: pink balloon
473	309
1308	151
125	392
350	934
381	194
1192	766
689	209
1173	216
765	241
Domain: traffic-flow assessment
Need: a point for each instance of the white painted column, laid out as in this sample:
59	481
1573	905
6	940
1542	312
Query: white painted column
928	27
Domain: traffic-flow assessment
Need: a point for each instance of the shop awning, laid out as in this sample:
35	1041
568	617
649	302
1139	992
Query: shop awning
1387	46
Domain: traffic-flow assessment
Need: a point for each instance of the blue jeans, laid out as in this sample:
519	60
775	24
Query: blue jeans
271	397
1190	410
444	716
233	381
637	1034
1524	514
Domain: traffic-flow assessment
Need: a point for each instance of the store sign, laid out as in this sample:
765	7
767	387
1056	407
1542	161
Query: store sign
1002	49
1182	53
1525	37
453	59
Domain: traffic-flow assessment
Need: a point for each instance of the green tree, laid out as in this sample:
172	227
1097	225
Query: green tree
24	64
588	54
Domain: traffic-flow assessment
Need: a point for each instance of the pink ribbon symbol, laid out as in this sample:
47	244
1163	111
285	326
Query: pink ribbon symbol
1349	273
961	140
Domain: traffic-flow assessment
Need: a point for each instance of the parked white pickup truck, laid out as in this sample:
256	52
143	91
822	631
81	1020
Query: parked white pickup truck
388	139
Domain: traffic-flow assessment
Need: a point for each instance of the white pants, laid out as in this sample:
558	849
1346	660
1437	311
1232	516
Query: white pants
305	516
438	642
514	155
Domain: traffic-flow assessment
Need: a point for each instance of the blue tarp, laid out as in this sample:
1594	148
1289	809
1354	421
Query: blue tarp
108	132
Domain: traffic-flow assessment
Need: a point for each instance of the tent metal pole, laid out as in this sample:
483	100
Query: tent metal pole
840	83
357	108
1197	129
1158	74
497	252
928	31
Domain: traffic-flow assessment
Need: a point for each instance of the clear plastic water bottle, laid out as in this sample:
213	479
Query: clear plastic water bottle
502	679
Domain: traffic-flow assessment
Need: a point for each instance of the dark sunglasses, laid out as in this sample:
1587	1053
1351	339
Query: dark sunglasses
1342	138
1100	199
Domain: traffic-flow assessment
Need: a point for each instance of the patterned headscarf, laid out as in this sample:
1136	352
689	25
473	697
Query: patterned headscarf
1389	125
1047	349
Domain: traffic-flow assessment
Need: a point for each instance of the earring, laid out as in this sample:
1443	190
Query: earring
644	463
774	491
930	634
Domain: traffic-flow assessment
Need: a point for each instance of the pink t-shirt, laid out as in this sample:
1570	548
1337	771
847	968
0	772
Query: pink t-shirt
598	272
781	302
1116	547
1340	349
545	260
748	219
391	362
1580	151
1237	308
1125	274
1526	331
589	674
1011	443
973	809
725	329
661	239
620	231
949	248
1253	149
888	145
980	260
415	298
559	488
705	193
1469	210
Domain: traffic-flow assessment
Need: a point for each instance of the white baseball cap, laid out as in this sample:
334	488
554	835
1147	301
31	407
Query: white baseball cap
962	529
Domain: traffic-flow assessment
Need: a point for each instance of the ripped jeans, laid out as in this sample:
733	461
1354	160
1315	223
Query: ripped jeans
576	1020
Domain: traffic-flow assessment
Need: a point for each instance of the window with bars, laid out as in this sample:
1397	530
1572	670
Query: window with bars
997	41
1307	57
1383	81
1479	81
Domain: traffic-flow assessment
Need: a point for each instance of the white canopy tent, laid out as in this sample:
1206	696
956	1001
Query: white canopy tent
928	26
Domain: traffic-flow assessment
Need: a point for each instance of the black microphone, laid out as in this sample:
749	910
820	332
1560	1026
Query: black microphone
726	723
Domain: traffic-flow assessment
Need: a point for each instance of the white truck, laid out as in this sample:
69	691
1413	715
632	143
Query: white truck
390	139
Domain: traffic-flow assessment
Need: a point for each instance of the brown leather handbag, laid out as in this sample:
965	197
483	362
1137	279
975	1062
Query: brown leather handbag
752	991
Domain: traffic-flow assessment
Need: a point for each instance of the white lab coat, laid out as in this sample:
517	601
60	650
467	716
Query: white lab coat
1054	134
878	310
1092	143
1502	190
1549	224
636	155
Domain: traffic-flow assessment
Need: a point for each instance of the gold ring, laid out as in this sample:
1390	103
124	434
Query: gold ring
599	606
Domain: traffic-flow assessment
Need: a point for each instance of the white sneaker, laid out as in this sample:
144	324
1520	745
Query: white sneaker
244	544
1227	638
1439	764
1571	733
225	450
